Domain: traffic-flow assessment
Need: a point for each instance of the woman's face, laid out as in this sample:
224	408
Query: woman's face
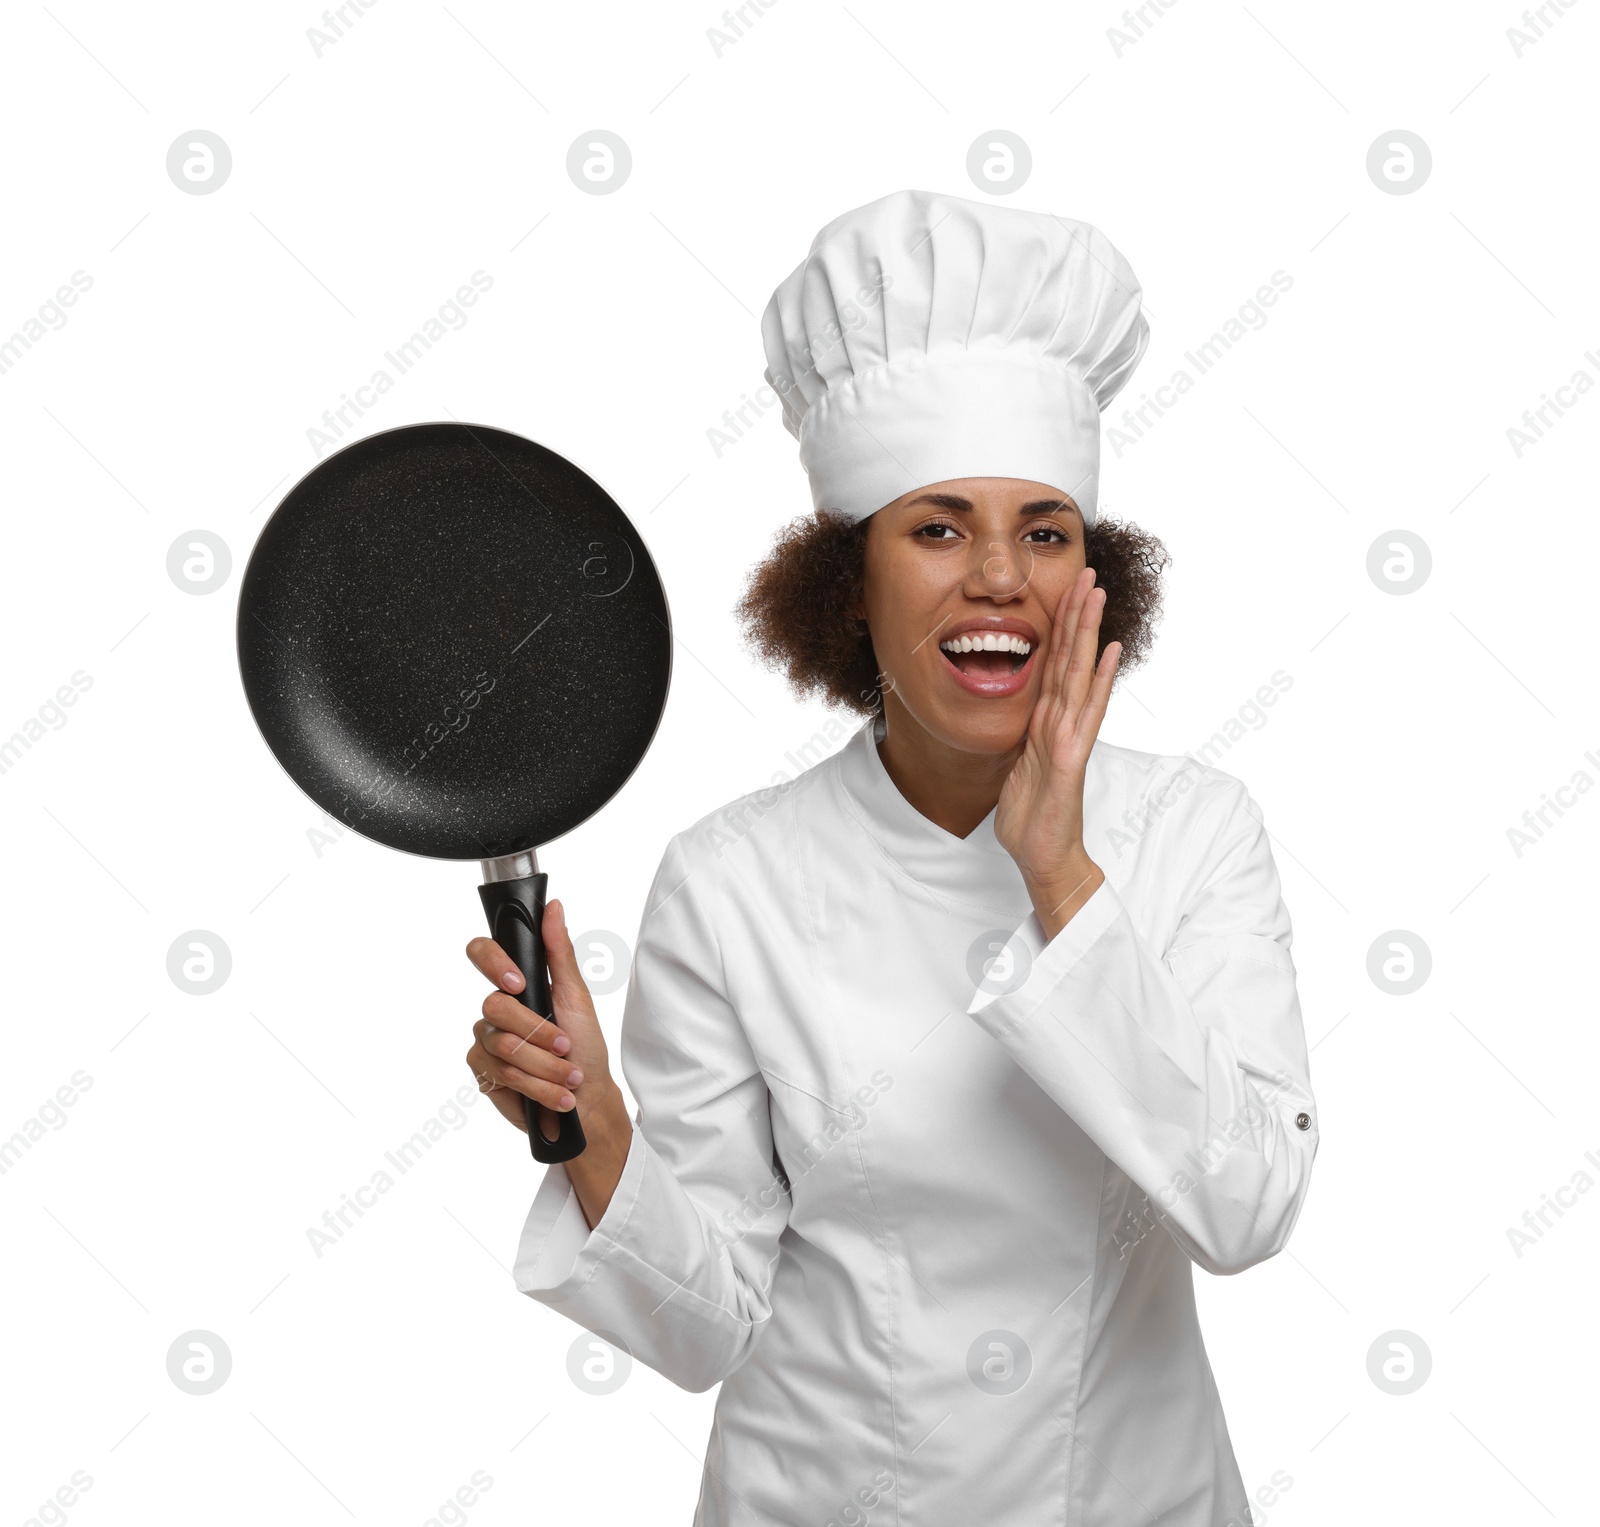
977	562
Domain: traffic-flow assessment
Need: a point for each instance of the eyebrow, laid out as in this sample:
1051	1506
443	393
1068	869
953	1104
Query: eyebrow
955	501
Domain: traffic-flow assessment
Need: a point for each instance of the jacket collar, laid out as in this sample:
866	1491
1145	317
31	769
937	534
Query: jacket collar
975	870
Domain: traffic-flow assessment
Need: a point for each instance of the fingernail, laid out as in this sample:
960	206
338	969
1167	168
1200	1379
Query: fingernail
566	1101
574	1076
512	980
561	914
561	1044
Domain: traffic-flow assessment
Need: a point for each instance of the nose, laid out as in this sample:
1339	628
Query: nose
997	568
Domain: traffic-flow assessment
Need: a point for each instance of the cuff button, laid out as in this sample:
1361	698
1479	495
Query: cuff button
1302	1121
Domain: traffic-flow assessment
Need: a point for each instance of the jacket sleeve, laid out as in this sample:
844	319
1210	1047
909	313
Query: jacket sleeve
678	1270
1188	1069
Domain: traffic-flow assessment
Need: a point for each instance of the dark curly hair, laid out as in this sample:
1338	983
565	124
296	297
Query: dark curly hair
796	606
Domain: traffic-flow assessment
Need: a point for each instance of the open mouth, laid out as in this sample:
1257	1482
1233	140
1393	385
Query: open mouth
987	655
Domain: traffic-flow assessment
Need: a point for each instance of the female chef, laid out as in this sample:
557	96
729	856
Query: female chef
956	1053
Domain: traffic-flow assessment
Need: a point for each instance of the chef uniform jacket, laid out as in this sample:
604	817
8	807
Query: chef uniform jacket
921	1190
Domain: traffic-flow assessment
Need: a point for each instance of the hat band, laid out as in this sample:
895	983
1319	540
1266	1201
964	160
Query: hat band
926	419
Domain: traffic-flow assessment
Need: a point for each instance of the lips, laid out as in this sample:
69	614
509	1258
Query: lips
991	657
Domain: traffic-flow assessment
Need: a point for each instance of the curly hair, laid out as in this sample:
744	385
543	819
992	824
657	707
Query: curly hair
796	607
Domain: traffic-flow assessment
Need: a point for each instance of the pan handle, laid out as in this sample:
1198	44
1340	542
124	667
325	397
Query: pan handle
516	919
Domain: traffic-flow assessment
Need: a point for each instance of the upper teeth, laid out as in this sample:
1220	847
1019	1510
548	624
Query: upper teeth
988	641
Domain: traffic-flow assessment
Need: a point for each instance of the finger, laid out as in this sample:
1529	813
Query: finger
1085	643
505	1012
1068	611
569	992
495	963
489	1069
1051	684
1058	621
526	1054
509	1103
1094	710
514	1105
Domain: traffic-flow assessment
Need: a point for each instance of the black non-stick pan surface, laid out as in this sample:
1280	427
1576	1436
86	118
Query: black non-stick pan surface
456	643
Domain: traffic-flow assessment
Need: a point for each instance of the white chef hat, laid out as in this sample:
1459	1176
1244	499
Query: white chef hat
926	337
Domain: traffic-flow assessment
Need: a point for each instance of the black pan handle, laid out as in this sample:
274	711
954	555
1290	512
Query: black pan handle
516	920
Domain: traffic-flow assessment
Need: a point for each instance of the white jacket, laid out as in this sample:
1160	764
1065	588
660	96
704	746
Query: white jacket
932	1229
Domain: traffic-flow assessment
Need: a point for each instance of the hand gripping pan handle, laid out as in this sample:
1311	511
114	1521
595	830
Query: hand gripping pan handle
516	920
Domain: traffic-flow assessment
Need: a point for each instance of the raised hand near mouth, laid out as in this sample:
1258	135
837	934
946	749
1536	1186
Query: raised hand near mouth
1039	818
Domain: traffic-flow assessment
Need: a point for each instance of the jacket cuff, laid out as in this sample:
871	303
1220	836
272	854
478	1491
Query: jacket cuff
1050	963
558	1252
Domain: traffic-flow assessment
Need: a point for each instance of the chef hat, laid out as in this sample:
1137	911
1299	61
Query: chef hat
927	337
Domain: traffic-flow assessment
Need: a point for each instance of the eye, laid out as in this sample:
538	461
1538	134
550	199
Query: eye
1058	536
933	531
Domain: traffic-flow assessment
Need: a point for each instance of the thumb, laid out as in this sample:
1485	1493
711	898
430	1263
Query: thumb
567	987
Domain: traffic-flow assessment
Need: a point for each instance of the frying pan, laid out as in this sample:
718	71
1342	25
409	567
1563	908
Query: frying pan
456	644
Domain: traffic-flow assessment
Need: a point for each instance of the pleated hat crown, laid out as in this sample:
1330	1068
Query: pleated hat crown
927	337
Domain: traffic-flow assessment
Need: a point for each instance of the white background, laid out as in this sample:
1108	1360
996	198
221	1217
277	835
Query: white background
368	183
